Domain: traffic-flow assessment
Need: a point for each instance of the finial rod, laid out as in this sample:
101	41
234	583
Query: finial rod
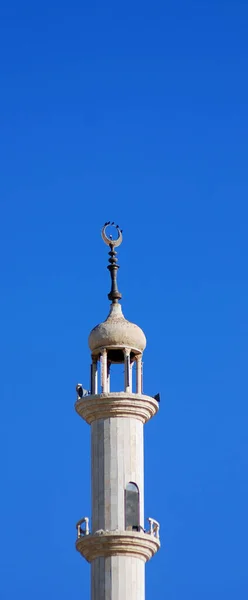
114	294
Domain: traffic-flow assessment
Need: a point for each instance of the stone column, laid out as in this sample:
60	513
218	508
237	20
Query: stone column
108	375
104	376
139	374
128	372
94	376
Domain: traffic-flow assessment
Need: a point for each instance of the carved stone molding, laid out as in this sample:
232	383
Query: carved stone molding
118	543
117	404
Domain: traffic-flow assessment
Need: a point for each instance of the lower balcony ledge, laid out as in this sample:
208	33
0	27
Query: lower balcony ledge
118	543
116	404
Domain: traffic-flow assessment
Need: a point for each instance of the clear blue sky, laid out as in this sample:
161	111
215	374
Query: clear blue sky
134	112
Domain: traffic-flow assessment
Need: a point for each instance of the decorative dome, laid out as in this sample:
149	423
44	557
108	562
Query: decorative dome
117	332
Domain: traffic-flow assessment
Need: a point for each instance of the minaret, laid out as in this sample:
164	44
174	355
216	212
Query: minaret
118	543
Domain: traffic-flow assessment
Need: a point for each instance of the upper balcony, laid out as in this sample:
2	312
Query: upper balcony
116	404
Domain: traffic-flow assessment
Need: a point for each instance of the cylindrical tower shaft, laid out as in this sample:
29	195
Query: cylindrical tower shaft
118	578
116	460
118	545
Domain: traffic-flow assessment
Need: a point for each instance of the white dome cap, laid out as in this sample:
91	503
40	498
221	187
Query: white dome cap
117	332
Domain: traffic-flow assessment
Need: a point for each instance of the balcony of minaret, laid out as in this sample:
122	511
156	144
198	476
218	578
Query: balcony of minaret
136	542
101	402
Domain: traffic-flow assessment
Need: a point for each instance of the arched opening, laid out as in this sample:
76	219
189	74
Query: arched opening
116	369
132	508
112	370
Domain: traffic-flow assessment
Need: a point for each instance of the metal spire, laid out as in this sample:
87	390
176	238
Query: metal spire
114	294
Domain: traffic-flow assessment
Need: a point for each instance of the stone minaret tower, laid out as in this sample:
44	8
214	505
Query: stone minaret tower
117	544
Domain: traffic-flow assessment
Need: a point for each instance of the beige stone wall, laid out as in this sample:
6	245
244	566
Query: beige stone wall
117	458
118	578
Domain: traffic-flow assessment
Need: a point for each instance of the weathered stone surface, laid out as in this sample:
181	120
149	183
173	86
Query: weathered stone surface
140	546
117	578
116	331
117	458
116	404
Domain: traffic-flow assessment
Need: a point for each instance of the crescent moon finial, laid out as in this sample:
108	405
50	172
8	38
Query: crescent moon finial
114	294
109	240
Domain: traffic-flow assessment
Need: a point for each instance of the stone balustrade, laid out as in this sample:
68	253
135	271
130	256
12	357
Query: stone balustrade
154	527
81	532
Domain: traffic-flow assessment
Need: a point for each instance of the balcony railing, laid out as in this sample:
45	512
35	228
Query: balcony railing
83	529
154	527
